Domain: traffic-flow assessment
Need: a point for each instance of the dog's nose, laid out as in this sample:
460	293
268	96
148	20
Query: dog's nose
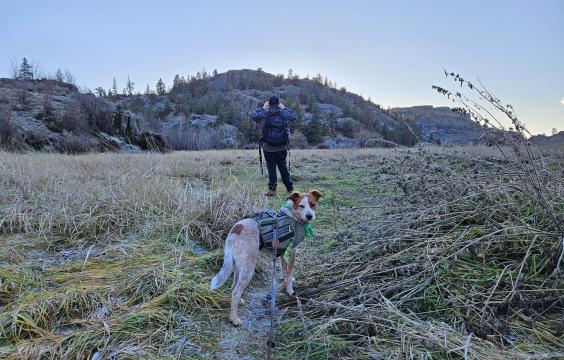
309	216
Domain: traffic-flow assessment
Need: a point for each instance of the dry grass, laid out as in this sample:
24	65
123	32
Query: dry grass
467	263
112	254
428	253
101	197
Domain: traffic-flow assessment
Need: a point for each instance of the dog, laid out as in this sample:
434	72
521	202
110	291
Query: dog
242	249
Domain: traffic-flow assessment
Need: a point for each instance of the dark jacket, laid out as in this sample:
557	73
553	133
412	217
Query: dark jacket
261	114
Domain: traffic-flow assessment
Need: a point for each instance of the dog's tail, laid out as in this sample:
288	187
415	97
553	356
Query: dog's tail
227	267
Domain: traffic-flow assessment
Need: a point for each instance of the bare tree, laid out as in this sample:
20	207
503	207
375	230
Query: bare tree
13	70
129	86
69	77
100	91
37	71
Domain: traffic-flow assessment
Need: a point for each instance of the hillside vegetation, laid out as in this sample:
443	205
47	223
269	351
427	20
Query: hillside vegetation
209	111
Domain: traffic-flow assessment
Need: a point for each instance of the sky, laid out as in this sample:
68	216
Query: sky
390	51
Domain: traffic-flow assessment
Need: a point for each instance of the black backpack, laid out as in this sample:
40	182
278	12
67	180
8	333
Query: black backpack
275	130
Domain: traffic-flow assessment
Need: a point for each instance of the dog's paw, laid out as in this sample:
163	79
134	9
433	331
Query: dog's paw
236	322
290	291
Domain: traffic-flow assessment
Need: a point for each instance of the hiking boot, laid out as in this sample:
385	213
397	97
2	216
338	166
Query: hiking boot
270	192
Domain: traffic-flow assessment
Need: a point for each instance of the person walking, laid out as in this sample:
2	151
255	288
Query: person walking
274	118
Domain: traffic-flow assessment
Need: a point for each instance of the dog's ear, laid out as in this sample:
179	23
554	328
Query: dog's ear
294	196
316	194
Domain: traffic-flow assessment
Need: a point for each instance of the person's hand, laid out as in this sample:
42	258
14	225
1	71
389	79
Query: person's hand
281	106
266	105
275	243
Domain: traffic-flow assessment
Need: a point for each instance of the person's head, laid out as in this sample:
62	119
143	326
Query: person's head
274	100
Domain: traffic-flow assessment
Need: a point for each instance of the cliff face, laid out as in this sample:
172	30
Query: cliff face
551	139
49	115
442	125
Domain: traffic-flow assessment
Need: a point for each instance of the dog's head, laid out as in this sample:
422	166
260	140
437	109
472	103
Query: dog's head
304	205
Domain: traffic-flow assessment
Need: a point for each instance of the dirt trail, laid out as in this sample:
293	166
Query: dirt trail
249	340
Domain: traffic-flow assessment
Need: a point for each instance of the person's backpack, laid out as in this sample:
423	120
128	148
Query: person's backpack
275	130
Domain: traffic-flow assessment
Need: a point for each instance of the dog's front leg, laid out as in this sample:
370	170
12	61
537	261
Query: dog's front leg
284	266
289	273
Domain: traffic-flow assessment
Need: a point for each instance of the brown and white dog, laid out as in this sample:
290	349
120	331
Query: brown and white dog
242	249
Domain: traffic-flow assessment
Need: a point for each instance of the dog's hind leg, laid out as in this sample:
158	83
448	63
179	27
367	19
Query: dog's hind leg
234	284
243	278
245	252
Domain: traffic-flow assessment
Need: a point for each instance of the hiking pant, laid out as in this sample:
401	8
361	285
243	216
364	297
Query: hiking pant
277	159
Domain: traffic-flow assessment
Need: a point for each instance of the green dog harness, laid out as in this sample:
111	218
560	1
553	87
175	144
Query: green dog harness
290	232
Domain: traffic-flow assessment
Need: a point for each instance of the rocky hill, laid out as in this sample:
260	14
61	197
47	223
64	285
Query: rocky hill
442	125
551	139
210	111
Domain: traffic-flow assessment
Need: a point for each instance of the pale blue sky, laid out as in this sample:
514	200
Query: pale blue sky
391	51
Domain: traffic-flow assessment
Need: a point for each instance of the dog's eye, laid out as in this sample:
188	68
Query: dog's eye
312	206
302	206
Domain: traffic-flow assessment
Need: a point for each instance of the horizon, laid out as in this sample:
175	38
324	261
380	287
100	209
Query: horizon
397	53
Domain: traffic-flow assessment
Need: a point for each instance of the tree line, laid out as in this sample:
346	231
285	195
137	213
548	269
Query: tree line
28	70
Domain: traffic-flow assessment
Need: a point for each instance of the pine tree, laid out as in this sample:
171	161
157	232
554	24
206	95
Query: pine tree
59	75
161	89
25	72
147	90
176	82
109	92
214	72
290	74
114	87
129	86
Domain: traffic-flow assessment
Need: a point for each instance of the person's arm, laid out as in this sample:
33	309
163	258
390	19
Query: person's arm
287	114
258	114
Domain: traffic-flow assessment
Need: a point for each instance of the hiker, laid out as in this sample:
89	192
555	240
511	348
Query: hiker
274	142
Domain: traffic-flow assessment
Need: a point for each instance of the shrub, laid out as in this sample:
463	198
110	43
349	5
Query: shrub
76	143
6	127
347	127
364	138
193	139
314	131
298	140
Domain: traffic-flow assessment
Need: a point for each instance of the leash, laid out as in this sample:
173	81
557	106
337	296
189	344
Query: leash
260	158
289	164
270	341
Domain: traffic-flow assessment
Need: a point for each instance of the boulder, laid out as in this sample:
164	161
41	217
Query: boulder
327	109
203	120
